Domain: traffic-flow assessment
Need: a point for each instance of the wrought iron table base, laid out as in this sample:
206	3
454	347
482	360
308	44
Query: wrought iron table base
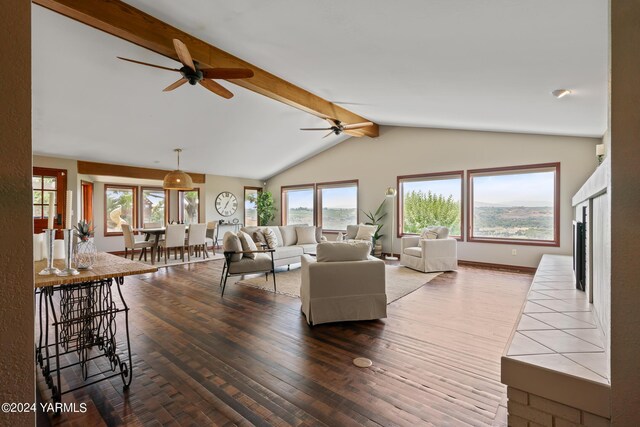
86	319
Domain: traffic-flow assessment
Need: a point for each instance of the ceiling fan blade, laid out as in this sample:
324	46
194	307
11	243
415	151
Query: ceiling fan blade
358	125
327	135
174	85
227	73
183	54
147	64
216	88
316	128
355	133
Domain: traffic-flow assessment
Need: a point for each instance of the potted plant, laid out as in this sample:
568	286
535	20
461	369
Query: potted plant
375	218
265	206
85	251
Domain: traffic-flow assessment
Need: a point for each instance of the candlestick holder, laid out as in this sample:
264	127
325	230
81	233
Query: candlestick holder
50	237
68	254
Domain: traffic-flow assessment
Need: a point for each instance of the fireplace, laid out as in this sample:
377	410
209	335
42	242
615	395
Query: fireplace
580	250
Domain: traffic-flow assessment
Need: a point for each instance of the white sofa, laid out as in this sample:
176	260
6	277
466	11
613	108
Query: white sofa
288	251
335	291
430	255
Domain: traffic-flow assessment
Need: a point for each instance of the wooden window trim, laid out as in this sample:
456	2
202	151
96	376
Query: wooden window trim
87	205
244	201
556	205
134	208
285	188
181	204
335	184
431	176
61	196
166	203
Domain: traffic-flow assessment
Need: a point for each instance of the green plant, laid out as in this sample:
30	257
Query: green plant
375	218
422	210
84	230
265	205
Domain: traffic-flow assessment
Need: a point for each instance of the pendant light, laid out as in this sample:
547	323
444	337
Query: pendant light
177	179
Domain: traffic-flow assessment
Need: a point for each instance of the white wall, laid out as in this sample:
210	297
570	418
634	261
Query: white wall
402	151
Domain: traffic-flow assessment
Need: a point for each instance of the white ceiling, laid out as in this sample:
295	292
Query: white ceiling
463	64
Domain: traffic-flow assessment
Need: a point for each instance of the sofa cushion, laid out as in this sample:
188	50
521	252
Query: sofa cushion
271	237
231	243
308	249
250	229
247	244
289	236
287	252
413	251
352	231
306	235
366	232
340	251
262	262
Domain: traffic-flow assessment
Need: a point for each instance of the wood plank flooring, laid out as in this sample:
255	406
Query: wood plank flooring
250	358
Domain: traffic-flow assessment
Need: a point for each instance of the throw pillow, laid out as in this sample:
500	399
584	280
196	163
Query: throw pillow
270	237
231	243
366	232
441	232
429	234
352	232
306	235
288	232
247	244
258	237
340	251
318	234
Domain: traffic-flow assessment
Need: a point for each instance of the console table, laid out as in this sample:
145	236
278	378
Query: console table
77	315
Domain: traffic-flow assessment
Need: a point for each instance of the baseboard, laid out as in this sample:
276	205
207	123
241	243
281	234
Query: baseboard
505	267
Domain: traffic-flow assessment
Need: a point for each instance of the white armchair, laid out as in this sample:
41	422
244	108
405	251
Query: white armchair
429	255
336	291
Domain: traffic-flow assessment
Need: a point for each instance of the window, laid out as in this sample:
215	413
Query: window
430	200
250	206
298	204
337	205
153	205
48	184
120	208
515	205
189	206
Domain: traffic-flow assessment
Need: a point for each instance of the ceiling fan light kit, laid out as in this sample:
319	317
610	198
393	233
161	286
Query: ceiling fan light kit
337	127
193	74
177	179
559	93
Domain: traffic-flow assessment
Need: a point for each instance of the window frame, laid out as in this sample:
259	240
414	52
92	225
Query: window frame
318	201
505	171
40	224
244	201
433	176
283	206
134	208
166	203
181	204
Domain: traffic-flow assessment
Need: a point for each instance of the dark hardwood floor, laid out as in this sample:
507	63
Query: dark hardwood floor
250	358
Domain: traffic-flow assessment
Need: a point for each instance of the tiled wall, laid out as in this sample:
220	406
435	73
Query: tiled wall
528	410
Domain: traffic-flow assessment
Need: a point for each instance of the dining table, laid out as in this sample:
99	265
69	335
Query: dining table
156	233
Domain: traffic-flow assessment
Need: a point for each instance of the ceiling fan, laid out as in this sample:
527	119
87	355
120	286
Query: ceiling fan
337	127
193	74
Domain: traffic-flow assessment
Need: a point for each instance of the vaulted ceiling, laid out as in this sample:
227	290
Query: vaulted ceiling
459	64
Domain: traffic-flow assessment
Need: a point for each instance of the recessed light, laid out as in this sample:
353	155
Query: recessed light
559	93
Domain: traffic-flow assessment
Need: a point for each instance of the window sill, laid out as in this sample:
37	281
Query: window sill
401	235
514	242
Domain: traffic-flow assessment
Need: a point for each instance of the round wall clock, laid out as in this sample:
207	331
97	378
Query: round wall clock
226	203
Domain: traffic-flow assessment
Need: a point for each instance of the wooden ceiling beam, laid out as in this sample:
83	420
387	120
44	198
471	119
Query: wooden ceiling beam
108	169
128	23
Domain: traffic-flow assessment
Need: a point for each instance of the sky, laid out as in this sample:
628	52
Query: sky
341	197
445	187
529	189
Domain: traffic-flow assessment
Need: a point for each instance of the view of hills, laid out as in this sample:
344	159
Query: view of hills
513	222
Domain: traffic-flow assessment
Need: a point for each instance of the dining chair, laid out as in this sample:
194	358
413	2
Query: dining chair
130	243
196	240
152	225
212	234
174	238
